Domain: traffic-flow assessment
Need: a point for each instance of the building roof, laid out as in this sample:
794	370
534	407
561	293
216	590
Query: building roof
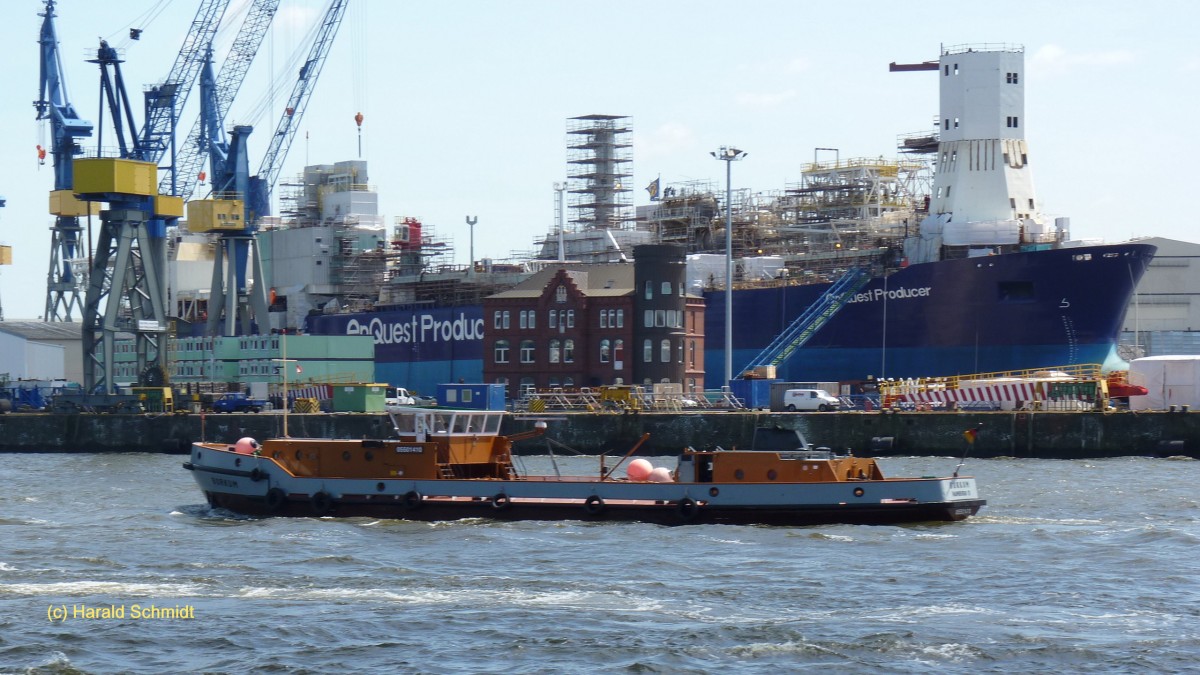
43	330
594	280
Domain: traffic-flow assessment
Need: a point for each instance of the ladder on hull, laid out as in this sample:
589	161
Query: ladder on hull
811	320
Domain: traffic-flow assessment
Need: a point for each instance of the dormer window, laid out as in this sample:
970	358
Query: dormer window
560	294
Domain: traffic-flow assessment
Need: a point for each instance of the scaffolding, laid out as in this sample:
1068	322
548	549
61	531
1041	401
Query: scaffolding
599	169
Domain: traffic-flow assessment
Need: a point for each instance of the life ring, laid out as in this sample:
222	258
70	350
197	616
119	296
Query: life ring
687	508
412	500
276	498
501	501
594	505
321	502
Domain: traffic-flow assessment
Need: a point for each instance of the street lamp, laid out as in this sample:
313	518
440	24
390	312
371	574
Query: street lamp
729	155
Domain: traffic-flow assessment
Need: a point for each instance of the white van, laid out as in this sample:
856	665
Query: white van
809	399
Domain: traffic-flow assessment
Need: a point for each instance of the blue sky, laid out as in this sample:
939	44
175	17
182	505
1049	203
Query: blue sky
465	102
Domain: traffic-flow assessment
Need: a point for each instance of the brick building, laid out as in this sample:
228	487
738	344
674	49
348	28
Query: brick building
585	325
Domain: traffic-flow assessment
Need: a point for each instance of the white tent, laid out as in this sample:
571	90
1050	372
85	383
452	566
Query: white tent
1169	380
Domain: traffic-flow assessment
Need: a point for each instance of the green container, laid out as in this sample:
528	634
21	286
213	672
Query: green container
359	397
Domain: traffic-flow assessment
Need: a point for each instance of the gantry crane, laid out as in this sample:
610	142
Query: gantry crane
64	292
125	293
240	201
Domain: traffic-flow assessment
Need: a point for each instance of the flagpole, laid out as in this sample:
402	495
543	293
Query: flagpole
970	435
284	360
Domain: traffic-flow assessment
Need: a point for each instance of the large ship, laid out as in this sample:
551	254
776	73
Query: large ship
954	274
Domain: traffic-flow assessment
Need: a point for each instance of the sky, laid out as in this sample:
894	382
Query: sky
465	102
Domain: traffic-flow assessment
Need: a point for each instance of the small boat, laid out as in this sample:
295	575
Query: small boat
446	464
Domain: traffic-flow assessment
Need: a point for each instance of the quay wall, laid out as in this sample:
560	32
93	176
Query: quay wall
1051	435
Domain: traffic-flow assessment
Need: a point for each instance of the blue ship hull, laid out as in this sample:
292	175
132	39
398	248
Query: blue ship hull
1005	312
973	315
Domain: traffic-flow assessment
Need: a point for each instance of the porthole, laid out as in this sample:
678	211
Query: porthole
739	474
858	492
772	474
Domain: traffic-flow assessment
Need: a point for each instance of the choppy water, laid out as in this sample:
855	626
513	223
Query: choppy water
1073	566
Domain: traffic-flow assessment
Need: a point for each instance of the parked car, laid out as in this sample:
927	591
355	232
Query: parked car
809	400
237	402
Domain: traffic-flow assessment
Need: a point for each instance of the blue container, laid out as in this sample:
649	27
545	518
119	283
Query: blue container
753	393
471	396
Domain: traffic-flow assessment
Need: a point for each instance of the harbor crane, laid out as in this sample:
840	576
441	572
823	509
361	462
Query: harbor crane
125	293
240	200
64	291
184	173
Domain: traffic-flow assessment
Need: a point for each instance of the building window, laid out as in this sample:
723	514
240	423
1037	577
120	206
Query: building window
555	347
648	318
664	351
649	290
524	321
604	318
532	319
660	318
692	353
955	122
648	351
946	123
553	319
1012	202
666	288
620	318
1013	122
554	383
948	191
560	294
618	354
496	319
568	382
500	353
570	318
1012	78
682	290
568	351
527	351
1031	202
506	319
527	386
604	350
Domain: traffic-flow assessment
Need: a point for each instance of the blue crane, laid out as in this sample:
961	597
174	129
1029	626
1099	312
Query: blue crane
164	101
63	289
231	306
182	179
126	290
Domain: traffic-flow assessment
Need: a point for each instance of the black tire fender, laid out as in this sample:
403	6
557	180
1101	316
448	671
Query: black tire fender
276	498
594	505
501	501
687	508
321	502
412	500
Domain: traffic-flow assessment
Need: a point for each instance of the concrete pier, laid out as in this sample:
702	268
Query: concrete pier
1057	435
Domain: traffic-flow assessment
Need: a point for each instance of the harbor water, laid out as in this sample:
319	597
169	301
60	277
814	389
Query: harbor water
114	563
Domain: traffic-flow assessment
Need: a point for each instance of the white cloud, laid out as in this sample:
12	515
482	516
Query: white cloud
1053	60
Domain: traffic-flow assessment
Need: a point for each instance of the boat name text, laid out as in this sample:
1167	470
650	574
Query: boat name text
421	328
894	294
410	449
223	482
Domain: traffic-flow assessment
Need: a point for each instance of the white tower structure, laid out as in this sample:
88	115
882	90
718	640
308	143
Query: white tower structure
983	195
